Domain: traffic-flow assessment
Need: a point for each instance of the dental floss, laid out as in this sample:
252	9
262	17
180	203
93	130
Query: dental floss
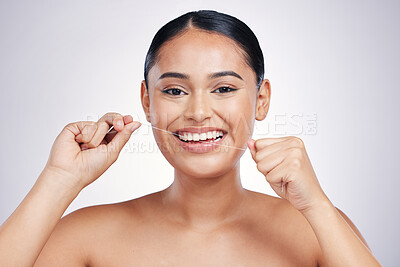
178	135
112	127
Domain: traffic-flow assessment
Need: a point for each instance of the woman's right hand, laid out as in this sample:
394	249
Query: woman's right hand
82	152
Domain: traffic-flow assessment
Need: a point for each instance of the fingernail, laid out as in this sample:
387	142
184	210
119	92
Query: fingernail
119	123
249	143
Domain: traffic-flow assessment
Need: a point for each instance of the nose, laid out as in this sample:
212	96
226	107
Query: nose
198	107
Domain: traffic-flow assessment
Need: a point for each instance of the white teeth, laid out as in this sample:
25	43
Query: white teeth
196	137
186	136
203	136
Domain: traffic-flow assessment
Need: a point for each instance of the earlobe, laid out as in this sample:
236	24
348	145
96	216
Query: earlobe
263	100
144	96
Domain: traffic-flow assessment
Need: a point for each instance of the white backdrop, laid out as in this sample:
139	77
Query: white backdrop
332	67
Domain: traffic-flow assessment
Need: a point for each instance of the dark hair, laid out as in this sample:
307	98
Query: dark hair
212	21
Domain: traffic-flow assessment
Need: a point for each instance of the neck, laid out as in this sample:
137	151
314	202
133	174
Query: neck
204	202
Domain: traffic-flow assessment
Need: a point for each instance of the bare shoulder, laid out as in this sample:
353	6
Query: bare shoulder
292	225
287	227
108	217
84	232
278	208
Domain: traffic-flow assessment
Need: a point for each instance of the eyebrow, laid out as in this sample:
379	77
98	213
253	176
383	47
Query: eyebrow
211	76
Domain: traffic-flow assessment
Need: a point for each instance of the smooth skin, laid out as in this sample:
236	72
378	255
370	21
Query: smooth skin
205	217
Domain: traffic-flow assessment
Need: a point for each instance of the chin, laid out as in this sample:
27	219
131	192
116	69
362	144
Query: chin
205	166
207	173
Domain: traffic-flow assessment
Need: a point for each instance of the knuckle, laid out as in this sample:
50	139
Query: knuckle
103	124
86	123
295	152
89	128
109	116
259	167
269	178
297	141
114	114
296	163
69	125
258	143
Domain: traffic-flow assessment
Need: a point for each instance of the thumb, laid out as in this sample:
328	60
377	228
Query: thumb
120	139
251	143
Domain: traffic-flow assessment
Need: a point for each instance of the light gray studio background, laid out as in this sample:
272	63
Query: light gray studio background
333	68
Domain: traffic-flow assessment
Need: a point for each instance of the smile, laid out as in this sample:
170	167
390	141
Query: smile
211	135
200	140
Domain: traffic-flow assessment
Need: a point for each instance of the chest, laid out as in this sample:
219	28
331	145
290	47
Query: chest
227	248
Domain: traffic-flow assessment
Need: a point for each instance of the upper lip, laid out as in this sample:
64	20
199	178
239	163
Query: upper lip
199	130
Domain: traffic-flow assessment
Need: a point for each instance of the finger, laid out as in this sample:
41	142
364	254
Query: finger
102	129
120	139
113	119
271	149
87	129
264	142
110	135
252	148
128	119
268	163
294	140
70	132
84	146
278	177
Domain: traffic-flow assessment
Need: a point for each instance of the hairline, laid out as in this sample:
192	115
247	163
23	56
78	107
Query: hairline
190	26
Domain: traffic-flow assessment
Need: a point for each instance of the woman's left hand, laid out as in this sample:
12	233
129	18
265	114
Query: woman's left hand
285	164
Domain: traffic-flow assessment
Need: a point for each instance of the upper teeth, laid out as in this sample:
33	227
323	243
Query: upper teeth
186	136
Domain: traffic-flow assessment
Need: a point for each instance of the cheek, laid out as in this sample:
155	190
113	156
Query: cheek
163	113
239	115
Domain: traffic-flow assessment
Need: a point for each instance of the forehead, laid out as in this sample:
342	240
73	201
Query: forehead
200	52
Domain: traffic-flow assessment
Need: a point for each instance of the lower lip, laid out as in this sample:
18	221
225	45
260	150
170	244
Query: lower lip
200	147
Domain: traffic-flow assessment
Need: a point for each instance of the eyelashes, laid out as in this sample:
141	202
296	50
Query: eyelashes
220	90
173	91
226	89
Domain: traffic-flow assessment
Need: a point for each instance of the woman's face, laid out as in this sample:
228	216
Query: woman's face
201	87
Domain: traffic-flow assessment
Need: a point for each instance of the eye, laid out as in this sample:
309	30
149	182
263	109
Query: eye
224	89
174	91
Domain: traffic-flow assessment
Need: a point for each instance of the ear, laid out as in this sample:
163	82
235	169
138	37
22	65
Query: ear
263	100
144	97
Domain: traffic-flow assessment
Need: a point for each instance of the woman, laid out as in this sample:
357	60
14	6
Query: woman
204	86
